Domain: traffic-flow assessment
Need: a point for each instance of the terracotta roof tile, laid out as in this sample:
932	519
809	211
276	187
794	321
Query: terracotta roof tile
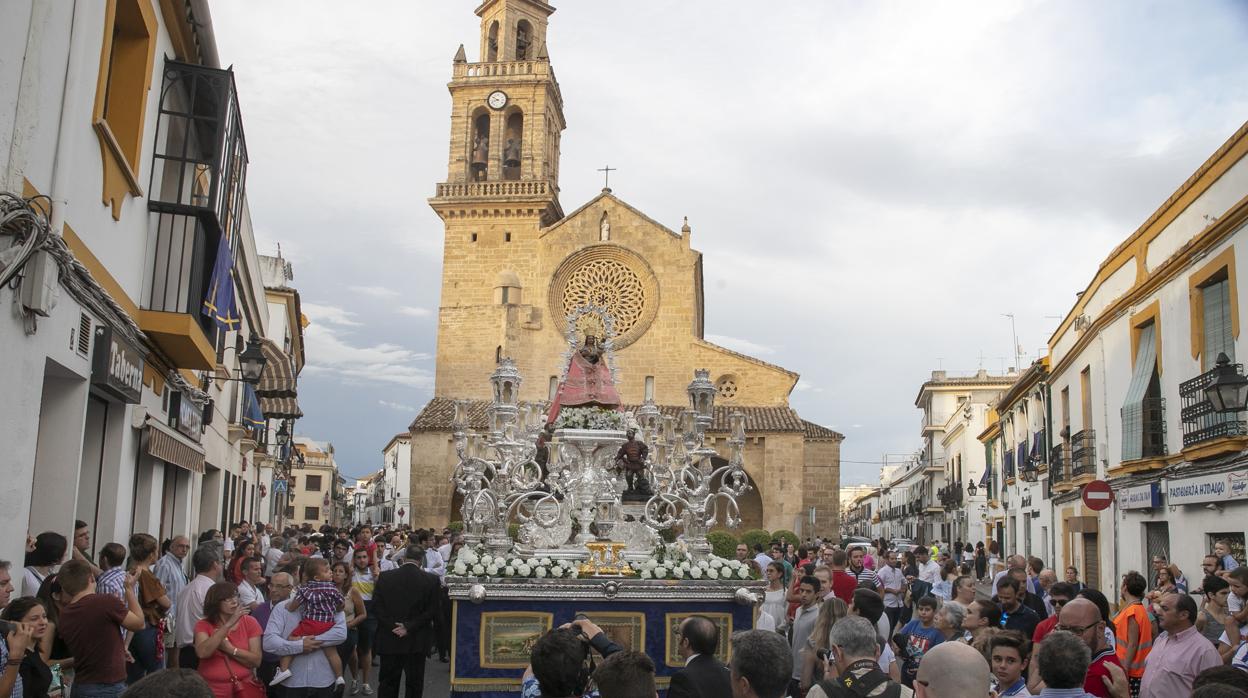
440	412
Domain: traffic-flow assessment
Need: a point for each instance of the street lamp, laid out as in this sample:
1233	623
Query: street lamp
971	489
1228	392
251	362
283	435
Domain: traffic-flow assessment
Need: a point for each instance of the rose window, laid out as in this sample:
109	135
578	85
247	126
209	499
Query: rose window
609	277
727	387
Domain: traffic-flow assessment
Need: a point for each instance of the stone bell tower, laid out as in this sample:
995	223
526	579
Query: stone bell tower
501	188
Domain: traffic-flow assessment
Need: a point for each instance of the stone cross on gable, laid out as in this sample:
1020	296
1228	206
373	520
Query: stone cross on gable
606	181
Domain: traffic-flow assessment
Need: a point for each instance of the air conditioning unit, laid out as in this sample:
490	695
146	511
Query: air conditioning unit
1082	322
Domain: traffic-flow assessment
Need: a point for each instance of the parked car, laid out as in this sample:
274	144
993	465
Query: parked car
902	545
852	542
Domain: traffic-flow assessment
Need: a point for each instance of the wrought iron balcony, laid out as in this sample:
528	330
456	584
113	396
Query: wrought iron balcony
1154	427
198	176
1083	453
1059	463
1200	422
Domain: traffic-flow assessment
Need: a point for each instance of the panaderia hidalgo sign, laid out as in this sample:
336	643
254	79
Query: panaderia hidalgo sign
1207	488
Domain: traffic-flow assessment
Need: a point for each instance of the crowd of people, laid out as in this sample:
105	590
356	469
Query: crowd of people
937	622
251	612
302	613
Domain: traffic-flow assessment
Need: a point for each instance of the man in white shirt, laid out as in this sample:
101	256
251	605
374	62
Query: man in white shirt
929	570
893	583
190	603
1011	563
761	558
273	556
249	593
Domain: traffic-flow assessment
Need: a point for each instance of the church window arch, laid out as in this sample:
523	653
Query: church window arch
498	354
553	389
513	142
649	394
491	43
524	37
479	145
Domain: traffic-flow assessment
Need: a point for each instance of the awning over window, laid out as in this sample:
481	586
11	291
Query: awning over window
170	446
1133	403
277	388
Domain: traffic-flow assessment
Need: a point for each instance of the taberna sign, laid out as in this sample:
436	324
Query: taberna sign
1207	488
117	366
186	416
1140	496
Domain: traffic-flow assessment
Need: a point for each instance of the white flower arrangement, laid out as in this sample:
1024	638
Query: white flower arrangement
667	562
589	418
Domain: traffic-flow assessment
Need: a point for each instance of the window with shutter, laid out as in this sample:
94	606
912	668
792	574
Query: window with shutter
1133	404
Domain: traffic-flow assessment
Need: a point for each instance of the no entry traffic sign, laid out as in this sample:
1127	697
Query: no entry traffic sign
1098	495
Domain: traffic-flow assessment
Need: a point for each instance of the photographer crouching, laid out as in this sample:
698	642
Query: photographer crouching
561	663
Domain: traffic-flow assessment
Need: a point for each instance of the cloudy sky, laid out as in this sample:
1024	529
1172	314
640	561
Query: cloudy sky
872	185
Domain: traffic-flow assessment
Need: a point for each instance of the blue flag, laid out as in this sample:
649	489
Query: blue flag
253	417
219	303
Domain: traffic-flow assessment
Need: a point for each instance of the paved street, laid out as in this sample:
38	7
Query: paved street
437	679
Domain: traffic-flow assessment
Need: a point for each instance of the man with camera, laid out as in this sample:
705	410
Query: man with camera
853	653
559	664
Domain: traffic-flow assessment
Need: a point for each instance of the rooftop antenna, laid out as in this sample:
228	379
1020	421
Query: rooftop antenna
1014	334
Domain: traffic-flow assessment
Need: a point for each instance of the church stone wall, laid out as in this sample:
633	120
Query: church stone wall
472	326
821	486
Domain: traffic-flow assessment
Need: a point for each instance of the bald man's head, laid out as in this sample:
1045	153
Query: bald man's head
952	670
1081	617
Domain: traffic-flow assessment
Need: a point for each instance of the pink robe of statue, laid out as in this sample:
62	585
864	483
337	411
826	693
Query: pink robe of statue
588	385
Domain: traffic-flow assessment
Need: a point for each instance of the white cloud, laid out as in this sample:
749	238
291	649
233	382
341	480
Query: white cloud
912	158
396	406
330	314
737	344
414	311
375	291
330	353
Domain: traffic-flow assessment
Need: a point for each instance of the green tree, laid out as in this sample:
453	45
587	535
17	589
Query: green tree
723	543
786	536
757	536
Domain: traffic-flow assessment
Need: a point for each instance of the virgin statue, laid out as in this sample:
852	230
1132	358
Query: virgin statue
589	382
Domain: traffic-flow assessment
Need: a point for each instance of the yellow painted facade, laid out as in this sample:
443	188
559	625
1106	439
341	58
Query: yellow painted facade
514	265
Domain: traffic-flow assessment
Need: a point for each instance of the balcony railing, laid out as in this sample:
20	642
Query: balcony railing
1154	427
1200	422
470	190
1059	463
1083	453
198	178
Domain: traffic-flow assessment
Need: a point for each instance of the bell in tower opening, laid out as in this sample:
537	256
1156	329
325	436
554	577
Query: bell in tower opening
511	151
481	147
523	34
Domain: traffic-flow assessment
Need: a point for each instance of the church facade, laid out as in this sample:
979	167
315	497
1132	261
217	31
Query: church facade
515	265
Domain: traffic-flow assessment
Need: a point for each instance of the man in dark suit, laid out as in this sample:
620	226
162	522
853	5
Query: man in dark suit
405	602
703	675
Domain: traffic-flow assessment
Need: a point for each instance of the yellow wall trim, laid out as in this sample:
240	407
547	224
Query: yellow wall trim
1211	271
1139	465
1150	313
126	58
99	272
1214	235
1216	447
1136	245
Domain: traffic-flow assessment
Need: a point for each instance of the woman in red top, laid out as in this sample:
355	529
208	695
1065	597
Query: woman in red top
227	642
243	550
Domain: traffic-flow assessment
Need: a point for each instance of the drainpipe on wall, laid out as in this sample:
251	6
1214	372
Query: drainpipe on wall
1047	392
